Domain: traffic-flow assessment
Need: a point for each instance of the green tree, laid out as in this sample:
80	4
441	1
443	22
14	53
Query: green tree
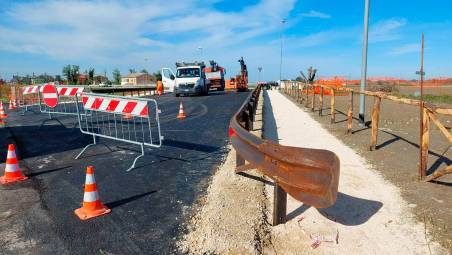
131	70
91	73
144	71
157	75
72	73
116	76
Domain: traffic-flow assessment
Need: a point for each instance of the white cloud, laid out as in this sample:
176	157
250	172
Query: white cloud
386	30
316	14
102	29
405	49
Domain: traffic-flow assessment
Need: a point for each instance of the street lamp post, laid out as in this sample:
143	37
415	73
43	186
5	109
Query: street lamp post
283	21
362	99
200	50
259	77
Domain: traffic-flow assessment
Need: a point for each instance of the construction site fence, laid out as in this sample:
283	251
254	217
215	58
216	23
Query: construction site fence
312	96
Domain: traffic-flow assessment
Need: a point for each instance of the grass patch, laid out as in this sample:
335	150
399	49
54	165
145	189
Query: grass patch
439	99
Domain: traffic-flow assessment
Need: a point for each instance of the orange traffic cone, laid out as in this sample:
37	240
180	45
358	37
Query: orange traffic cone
12	170
3	114
127	116
92	206
11	106
181	114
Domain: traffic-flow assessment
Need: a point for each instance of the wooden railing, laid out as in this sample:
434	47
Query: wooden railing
306	93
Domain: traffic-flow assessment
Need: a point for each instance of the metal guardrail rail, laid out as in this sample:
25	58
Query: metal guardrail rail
309	175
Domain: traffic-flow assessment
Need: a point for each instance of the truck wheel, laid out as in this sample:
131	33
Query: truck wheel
177	94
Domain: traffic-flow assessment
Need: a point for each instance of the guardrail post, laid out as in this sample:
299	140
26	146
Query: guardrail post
279	205
333	105
307	95
321	101
350	113
375	120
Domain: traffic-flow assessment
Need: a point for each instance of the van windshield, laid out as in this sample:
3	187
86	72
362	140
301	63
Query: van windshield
187	72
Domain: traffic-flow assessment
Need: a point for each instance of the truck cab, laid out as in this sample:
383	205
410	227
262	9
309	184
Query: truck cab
190	79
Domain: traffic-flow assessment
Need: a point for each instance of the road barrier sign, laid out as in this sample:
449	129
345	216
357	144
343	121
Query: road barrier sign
124	119
50	95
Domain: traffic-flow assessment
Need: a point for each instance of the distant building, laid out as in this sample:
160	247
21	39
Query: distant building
136	79
98	79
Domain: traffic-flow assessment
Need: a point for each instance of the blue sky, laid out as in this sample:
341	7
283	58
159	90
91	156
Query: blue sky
42	36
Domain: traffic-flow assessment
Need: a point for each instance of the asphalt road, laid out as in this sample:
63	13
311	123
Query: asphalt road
150	205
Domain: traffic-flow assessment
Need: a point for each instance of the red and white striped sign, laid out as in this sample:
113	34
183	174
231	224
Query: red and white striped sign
50	95
115	105
30	90
69	91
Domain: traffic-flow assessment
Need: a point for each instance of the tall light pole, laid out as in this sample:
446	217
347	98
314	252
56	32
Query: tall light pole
259	78
200	50
283	21
362	99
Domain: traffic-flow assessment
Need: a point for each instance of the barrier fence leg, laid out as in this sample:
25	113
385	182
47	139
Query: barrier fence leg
135	160
279	205
86	147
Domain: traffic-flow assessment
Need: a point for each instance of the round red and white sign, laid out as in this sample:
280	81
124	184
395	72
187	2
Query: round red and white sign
50	95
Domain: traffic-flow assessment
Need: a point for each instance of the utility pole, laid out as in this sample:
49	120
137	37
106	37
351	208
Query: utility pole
362	98
283	21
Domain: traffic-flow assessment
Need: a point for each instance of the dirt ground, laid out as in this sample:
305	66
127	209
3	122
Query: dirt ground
397	156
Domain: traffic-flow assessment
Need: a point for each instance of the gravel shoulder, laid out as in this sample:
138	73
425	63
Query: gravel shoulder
370	215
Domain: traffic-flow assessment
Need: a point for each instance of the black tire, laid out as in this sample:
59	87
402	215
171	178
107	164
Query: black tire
177	94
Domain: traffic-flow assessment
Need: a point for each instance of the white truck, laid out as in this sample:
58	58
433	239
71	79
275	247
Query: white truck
190	79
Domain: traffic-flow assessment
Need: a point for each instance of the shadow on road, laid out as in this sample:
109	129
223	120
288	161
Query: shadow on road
123	201
190	146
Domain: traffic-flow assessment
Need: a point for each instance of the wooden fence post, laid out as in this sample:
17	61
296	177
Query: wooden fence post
375	120
424	144
313	98
307	96
333	105
279	205
321	101
350	113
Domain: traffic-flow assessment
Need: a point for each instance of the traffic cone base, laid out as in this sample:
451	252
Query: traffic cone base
92	206
85	214
12	169
6	180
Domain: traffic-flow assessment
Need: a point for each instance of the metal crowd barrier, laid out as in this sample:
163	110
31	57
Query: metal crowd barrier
124	119
28	97
67	101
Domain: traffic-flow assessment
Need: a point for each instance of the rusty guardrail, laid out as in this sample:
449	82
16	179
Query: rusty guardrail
309	175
